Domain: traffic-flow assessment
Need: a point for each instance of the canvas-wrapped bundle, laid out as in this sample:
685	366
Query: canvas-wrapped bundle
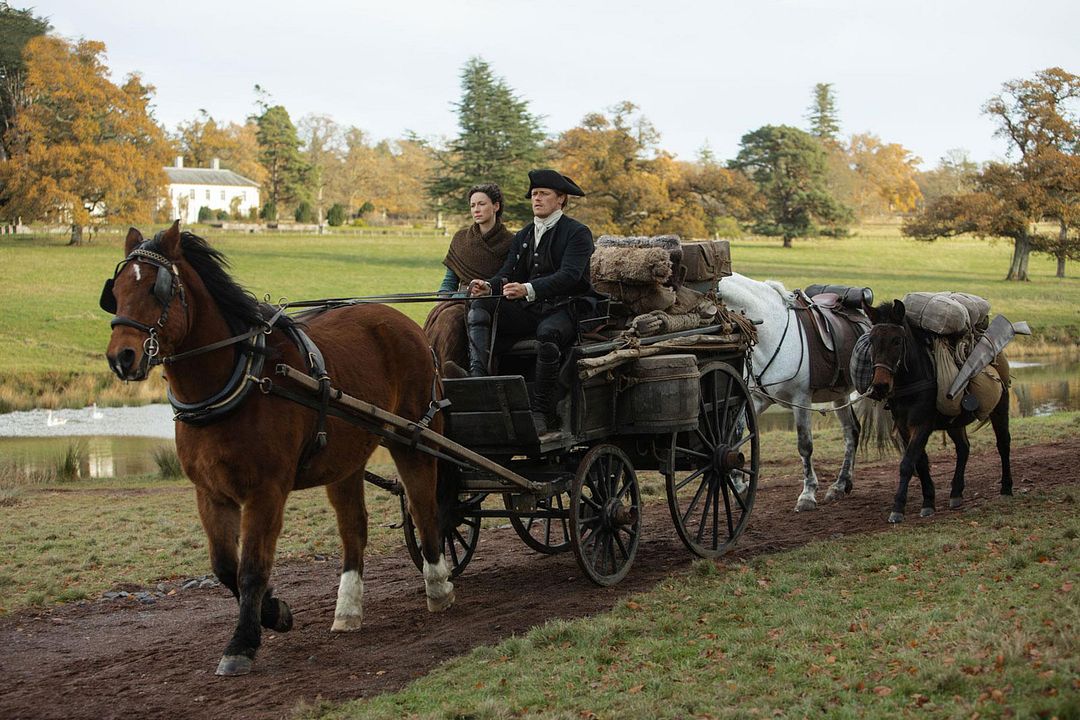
978	309
936	313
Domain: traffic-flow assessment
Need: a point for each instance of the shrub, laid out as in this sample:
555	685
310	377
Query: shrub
305	213
364	209
205	214
168	463
222	214
269	211
336	215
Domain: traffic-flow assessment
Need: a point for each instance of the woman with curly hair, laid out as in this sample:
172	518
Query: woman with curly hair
477	250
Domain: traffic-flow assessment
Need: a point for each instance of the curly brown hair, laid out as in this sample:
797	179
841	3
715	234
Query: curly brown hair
494	194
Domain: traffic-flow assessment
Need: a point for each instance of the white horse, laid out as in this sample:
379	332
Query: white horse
780	373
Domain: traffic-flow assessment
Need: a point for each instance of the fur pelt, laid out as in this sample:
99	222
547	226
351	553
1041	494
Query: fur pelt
631	265
640	298
671	243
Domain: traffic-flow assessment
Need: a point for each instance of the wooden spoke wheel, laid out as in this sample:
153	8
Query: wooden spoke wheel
605	514
712	471
548	531
459	541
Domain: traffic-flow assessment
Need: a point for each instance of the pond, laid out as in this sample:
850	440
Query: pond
115	442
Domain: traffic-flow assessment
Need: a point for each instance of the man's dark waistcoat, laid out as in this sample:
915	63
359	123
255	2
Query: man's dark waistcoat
561	267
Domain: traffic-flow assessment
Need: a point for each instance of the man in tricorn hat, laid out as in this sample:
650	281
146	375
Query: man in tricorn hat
546	269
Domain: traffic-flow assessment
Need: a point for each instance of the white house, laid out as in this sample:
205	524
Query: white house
192	188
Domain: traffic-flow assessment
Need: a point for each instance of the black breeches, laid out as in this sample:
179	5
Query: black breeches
518	319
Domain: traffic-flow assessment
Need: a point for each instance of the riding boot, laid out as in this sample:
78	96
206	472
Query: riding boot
478	325
545	390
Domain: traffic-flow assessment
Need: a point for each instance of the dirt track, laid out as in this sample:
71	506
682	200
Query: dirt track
112	659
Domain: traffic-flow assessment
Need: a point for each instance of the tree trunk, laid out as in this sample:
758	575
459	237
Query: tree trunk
1063	237
787	241
76	234
1019	265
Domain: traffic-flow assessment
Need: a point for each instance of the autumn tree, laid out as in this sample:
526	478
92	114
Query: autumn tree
885	176
1038	118
788	166
322	149
203	138
84	150
279	153
16	29
954	174
617	161
387	176
499	141
822	115
719	198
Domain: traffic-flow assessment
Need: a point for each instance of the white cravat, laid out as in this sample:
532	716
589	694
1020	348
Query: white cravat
540	226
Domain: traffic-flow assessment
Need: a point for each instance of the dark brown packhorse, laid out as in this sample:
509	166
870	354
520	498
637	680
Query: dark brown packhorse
904	375
246	448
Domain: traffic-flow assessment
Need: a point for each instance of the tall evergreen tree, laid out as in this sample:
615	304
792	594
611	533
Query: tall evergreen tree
16	28
500	141
824	124
279	153
788	166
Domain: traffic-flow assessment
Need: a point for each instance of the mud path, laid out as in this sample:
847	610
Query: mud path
123	659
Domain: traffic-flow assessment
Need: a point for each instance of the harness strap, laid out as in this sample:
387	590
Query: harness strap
217	345
248	367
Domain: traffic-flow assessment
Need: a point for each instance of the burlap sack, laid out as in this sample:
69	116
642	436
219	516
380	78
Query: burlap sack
986	386
946	368
936	313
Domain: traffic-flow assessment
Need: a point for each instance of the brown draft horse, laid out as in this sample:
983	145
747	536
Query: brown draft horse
904	375
172	295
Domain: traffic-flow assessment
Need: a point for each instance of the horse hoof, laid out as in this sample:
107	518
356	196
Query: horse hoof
284	619
955	503
439	604
347	623
895	517
833	495
805	505
234	665
926	512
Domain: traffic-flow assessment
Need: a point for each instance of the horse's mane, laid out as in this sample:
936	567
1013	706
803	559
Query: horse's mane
237	304
779	288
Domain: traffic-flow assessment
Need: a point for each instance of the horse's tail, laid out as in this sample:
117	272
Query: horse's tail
878	428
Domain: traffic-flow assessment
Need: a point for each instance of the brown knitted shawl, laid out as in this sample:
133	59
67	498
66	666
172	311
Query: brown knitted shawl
472	255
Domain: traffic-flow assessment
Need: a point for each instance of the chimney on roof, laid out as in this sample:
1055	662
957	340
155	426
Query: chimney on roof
215	164
179	162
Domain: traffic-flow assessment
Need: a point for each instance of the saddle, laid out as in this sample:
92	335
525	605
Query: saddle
831	328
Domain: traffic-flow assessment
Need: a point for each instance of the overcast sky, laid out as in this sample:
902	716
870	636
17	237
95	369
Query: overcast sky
916	73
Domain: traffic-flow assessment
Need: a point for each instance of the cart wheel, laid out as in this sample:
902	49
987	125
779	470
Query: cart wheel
548	531
605	514
717	463
459	543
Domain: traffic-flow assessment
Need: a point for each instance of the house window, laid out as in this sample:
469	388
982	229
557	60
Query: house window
192	195
223	196
208	193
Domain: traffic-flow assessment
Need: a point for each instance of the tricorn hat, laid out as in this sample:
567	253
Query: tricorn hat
552	181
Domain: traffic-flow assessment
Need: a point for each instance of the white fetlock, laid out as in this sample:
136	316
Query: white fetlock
437	586
349	613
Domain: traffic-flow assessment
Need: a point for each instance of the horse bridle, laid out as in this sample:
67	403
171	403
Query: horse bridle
894	370
167	287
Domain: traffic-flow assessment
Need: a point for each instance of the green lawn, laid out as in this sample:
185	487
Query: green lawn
977	617
51	329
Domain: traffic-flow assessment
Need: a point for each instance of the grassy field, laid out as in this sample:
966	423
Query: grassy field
976	618
69	540
52	334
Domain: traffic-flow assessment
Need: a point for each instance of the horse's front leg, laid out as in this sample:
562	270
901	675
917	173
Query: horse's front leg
922	467
260	525
347	497
963	450
808	497
915	446
843	483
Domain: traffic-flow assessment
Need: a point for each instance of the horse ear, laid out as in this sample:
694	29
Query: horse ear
170	241
133	240
898	310
872	313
